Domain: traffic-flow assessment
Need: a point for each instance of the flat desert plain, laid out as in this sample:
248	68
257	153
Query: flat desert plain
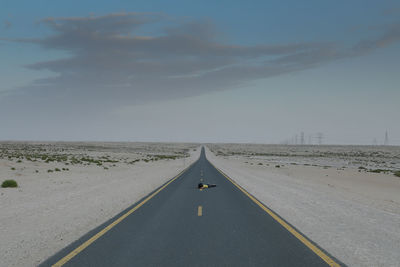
67	189
344	198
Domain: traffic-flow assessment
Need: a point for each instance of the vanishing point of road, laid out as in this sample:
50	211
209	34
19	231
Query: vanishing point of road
180	225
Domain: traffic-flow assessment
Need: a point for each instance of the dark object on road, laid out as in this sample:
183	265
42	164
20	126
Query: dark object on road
201	185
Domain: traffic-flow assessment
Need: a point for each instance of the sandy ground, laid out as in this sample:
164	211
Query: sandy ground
352	213
49	210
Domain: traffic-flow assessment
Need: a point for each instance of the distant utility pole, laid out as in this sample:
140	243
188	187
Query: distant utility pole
374	142
320	136
295	142
302	138
386	142
309	140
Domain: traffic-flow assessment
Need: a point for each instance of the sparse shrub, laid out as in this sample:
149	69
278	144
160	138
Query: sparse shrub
57	169
19	161
260	163
376	170
397	173
110	161
13	168
105	168
49	170
277	166
36	171
9	183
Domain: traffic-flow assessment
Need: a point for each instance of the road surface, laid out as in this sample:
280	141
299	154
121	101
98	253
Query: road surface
180	225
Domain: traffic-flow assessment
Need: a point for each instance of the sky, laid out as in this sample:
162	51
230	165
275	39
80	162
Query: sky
200	71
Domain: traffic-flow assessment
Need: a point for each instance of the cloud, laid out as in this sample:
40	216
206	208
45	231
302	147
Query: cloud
391	35
7	24
113	61
392	11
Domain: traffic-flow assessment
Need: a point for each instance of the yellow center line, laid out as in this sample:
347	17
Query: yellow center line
200	211
110	226
299	236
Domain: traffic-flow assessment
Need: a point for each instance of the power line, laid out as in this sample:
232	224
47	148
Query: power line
386	142
319	137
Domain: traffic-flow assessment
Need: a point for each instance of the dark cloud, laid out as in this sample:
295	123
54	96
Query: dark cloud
7	24
113	63
390	36
392	11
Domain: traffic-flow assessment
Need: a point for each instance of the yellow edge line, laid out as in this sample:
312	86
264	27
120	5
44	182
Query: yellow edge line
299	236
106	229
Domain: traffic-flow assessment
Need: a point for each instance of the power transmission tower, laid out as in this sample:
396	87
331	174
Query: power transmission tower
374	142
386	142
320	136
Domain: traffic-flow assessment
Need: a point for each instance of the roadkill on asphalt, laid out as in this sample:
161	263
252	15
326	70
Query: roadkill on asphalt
203	186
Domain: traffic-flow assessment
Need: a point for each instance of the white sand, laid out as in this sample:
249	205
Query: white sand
354	215
48	211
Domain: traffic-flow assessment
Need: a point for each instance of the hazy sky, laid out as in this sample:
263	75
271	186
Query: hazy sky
203	71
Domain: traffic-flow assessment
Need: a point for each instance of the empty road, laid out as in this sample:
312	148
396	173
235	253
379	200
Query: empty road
180	225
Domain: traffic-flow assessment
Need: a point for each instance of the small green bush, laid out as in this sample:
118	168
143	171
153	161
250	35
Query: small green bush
9	183
57	169
13	168
277	166
378	170
49	170
397	173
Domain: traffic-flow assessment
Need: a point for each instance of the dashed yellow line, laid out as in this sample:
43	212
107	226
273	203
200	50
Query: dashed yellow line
299	236
87	243
199	211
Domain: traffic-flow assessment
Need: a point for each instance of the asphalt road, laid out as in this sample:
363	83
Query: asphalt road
184	226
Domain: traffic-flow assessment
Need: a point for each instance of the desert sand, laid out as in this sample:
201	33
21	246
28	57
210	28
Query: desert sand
344	198
332	194
50	209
